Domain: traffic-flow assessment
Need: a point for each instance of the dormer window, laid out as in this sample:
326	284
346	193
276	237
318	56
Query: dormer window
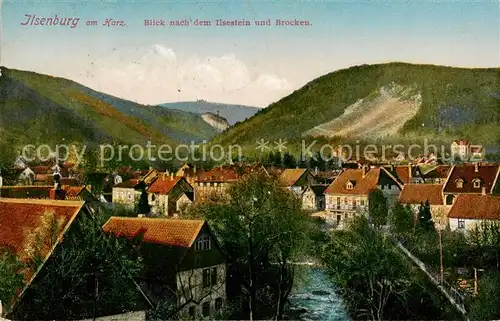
350	184
459	183
477	183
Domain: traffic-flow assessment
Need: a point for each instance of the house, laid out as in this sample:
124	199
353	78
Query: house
460	149
469	210
348	194
75	193
407	174
470	179
27	176
183	262
313	197
128	193
169	195
435	174
38	233
297	180
214	182
416	195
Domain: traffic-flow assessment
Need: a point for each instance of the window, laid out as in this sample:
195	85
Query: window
218	304
213	276
346	201
461	223
346	215
209	277
129	195
354	204
203	243
206	278
206	309
192	312
362	202
459	183
338	200
215	184
477	183
348	185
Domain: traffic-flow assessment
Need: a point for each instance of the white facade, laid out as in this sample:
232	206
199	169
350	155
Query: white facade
127	197
467	224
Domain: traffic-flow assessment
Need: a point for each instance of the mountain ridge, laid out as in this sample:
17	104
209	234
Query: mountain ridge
456	102
232	112
43	109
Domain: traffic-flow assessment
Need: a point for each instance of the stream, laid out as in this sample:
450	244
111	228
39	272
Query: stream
315	298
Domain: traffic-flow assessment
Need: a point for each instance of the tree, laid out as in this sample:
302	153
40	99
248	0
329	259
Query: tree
88	274
485	238
377	208
143	206
486	306
369	272
375	280
289	160
425	222
261	227
11	277
402	218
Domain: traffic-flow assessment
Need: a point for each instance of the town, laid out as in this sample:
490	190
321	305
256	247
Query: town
166	243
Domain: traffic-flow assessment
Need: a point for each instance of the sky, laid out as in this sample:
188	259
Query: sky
249	65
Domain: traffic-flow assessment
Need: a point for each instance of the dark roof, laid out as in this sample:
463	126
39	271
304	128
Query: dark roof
319	189
486	173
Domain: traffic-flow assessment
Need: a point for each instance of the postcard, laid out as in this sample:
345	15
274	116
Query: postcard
249	160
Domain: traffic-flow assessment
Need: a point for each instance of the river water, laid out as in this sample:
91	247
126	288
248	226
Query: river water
315	296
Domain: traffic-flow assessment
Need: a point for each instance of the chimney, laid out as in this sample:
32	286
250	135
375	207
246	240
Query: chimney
476	167
483	190
409	170
172	176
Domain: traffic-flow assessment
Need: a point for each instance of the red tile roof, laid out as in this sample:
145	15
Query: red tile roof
18	216
73	191
403	173
69	181
218	174
290	176
31	192
42	169
362	185
164	231
467	206
420	193
487	173
163	185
